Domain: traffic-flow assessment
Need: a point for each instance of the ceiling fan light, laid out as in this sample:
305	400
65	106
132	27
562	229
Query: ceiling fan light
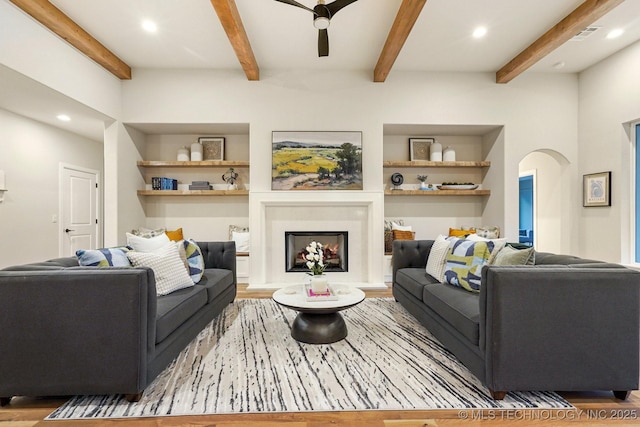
321	23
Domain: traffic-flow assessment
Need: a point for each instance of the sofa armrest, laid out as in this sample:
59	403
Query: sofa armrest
220	255
560	328
410	253
82	330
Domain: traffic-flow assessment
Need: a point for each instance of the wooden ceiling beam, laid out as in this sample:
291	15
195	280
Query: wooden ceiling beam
583	16
55	20
405	19
232	23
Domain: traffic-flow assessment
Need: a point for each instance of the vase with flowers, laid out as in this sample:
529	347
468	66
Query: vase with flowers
316	265
423	182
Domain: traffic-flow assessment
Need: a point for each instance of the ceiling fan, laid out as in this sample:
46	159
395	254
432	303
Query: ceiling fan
322	16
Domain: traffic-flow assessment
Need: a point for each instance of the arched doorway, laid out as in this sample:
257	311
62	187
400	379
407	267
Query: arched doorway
550	202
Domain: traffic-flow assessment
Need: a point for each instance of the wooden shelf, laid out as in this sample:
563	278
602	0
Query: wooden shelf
437	192
193	192
204	163
429	164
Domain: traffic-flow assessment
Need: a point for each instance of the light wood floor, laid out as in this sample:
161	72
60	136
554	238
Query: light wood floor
593	409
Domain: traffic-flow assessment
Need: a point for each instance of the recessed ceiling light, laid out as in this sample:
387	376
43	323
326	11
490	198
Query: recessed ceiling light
480	32
615	33
149	26
63	117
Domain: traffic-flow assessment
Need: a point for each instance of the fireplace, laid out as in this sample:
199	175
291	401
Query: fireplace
335	249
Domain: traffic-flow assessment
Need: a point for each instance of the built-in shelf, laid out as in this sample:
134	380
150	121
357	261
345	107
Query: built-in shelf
437	192
429	164
204	163
193	192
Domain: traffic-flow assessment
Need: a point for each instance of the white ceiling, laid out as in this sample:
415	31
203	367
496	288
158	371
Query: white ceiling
283	37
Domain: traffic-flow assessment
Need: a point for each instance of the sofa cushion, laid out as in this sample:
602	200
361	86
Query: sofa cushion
216	281
174	309
461	309
413	280
464	263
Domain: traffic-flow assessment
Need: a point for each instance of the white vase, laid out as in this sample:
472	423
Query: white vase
423	185
435	150
196	152
183	154
319	284
449	155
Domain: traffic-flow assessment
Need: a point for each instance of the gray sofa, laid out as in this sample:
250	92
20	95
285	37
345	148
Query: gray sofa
563	324
71	330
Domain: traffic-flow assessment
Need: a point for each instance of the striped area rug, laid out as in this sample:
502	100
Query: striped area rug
246	361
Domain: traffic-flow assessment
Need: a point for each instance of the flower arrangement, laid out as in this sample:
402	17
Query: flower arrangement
422	178
315	258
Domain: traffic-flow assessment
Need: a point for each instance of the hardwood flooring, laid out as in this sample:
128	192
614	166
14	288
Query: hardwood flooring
593	409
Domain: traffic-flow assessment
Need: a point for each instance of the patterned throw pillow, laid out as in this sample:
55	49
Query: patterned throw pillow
237	229
498	244
436	260
167	267
194	259
147	232
464	263
105	257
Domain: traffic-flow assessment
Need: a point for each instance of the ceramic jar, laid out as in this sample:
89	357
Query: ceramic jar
449	155
435	150
319	284
183	154
196	152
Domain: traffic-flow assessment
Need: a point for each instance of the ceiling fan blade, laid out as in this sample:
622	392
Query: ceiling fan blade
336	5
295	3
323	43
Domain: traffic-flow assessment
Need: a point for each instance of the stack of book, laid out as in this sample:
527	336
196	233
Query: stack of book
200	185
160	183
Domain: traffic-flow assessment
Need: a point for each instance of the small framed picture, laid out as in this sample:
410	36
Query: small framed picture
419	148
596	189
212	147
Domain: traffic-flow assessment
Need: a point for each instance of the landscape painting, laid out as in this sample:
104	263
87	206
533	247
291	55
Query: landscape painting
316	161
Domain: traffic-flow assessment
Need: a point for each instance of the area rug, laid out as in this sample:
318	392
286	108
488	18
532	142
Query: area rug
245	361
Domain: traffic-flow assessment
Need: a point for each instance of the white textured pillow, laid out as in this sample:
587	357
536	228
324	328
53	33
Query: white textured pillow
242	241
498	244
437	256
167	267
396	226
147	244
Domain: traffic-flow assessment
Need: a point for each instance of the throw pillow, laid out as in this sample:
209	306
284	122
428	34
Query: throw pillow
487	232
167	267
194	259
388	223
512	256
105	257
456	232
175	235
144	244
498	244
237	228
147	232
464	263
401	227
242	241
436	259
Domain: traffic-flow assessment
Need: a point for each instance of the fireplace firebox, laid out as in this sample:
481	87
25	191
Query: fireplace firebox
335	244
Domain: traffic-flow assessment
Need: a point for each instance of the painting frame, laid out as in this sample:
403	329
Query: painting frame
596	189
212	147
419	148
316	160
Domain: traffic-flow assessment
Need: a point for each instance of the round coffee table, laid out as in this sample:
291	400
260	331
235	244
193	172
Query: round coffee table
318	322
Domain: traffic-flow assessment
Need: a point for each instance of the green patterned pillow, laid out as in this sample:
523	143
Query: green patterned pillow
464	263
194	259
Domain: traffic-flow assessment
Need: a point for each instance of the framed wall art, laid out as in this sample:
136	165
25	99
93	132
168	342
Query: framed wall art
212	147
303	160
596	189
419	148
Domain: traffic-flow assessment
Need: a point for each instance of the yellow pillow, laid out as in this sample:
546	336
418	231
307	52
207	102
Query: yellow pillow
175	235
454	232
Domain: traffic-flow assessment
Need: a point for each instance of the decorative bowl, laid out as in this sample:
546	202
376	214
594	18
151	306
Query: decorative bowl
458	187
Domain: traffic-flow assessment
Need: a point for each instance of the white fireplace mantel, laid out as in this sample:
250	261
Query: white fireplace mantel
358	212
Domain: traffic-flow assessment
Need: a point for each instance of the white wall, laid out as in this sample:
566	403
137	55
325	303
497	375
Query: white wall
609	98
30	155
538	112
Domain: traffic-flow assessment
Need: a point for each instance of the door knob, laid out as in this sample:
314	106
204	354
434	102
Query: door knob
66	230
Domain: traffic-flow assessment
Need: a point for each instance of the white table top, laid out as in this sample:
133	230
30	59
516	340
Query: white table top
294	297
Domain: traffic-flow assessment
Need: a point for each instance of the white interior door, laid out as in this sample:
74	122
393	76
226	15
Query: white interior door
78	209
